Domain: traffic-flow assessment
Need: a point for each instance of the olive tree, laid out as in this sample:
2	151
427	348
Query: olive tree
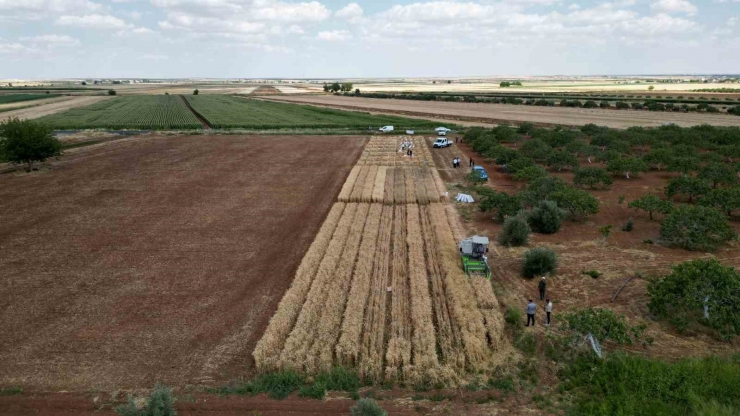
626	166
683	164
500	203
578	203
560	159
718	173
27	142
546	217
530	173
725	199
592	178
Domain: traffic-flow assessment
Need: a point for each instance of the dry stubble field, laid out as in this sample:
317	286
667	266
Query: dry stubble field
496	113
157	258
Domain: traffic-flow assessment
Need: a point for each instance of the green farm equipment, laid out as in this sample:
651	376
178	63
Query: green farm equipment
474	251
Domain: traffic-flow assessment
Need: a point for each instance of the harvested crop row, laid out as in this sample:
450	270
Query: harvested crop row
422	194
454	221
489	307
373	337
410	186
367	192
268	348
441	188
379	189
349	184
304	331
398	355
321	354
348	347
448	335
390	180
460	296
423	339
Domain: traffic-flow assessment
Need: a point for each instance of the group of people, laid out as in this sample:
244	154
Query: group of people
456	162
408	146
532	307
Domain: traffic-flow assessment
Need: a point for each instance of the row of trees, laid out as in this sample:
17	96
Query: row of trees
505	84
337	87
709	175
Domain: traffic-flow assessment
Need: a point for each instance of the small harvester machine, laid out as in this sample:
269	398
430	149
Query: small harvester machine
474	254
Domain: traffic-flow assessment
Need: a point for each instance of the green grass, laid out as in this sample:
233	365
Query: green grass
277	385
15	98
148	112
630	385
227	112
11	391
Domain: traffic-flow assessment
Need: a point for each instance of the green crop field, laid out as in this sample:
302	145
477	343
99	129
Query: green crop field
233	112
147	112
14	98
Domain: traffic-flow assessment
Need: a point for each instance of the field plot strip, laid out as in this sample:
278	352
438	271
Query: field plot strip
389	297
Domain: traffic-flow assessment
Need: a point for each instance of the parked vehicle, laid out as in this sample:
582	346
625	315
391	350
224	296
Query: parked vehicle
483	173
444	129
439	143
410	132
441	133
386	129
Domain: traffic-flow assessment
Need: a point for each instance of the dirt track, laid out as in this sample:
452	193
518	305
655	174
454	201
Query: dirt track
51	108
496	113
156	258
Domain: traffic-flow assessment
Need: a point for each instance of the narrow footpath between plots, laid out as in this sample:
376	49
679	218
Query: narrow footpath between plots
381	288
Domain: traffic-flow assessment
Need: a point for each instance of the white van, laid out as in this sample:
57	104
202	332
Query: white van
386	129
442	129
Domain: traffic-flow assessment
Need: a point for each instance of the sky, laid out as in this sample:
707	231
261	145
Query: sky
43	39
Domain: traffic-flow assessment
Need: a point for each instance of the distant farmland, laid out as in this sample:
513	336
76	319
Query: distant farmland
15	98
169	112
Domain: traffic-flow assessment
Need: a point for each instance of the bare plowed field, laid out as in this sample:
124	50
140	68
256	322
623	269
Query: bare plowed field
496	113
51	108
156	259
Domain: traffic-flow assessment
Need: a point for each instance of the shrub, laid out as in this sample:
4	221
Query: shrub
593	273
539	261
629	225
592	177
27	142
626	166
196	92
527	344
111	92
718	173
682	295
515	232
513	318
605	325
367	407
475	177
546	217
725	199
622	105
159	403
696	228
518	164
560	159
501	203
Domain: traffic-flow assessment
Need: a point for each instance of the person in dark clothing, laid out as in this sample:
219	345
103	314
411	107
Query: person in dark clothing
411	153
548	311
543	288
531	308
472	162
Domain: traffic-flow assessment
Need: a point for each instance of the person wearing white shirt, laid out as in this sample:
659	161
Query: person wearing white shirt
548	310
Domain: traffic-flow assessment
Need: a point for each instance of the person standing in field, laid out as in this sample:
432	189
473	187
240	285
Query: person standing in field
472	162
543	288
548	311
531	309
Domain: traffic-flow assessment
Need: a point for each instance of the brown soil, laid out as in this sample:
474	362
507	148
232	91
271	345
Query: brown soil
32	103
266	90
580	248
498	113
51	107
156	258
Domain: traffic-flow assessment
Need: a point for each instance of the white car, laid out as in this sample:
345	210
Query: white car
442	129
442	143
386	129
441	133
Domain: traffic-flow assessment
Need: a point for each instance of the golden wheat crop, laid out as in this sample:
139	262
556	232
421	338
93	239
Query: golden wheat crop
489	307
349	184
454	221
373	337
379	188
399	186
321	355
410	186
441	188
460	297
448	335
356	195
367	192
267	351
348	347
390	180
423	338
304	331
398	354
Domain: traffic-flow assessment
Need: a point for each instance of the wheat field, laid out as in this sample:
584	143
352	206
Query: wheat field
381	289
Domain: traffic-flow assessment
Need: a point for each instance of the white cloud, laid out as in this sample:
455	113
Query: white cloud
51	40
334	35
14	48
349	12
93	21
56	6
659	24
153	57
674	6
295	29
574	7
731	22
